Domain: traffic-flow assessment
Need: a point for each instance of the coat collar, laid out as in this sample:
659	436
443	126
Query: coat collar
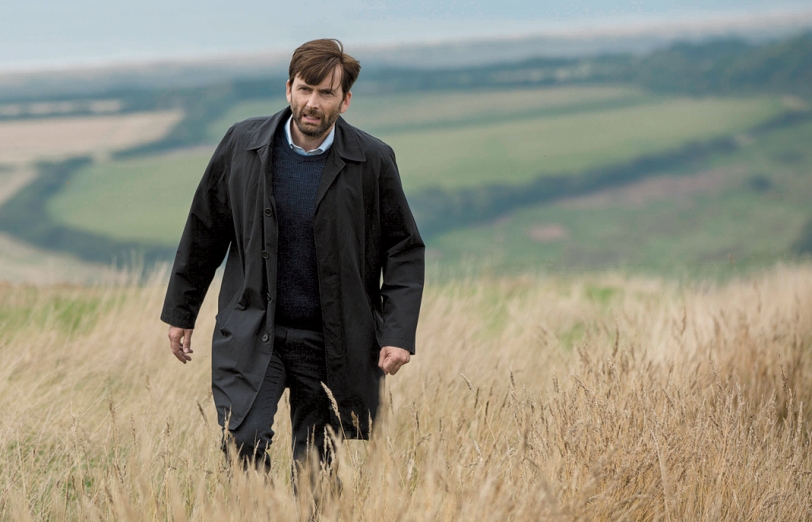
346	142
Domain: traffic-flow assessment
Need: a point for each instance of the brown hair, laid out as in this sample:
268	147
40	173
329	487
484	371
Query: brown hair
314	60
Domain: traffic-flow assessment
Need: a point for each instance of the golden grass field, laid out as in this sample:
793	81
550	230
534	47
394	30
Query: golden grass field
596	397
25	141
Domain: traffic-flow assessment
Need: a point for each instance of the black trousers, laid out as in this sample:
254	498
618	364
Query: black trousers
297	363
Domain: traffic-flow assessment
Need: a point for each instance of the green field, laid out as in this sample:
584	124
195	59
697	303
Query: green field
378	114
242	111
511	137
745	207
144	199
519	151
452	140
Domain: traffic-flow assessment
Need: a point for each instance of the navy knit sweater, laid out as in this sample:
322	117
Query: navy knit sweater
295	185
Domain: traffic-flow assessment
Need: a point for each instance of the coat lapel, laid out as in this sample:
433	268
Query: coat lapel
345	147
262	140
331	170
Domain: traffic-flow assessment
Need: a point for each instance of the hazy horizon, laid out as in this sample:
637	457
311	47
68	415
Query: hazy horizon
45	33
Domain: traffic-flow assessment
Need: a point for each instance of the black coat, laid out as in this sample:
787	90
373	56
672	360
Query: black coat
363	230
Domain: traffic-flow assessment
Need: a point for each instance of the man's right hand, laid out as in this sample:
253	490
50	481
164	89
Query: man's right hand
180	341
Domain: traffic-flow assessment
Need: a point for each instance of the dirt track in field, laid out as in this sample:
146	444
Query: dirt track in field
14	180
23	263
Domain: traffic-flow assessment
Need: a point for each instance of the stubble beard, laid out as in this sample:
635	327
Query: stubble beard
327	120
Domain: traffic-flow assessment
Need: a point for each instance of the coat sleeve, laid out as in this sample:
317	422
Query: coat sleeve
403	261
204	243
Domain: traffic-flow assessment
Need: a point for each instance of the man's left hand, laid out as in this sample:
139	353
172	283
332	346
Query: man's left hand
392	358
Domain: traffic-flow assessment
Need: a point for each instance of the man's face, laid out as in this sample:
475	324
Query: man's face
317	107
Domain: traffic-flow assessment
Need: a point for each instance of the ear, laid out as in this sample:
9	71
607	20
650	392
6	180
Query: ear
345	103
288	92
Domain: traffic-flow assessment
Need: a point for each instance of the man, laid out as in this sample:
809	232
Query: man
324	275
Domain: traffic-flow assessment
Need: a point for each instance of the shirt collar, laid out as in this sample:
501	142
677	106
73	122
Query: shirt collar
324	147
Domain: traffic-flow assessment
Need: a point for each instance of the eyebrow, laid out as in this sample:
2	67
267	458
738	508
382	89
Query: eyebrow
305	86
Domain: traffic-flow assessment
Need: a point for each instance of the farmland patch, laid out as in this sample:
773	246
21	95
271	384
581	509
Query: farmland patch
24	141
518	152
658	188
698	224
140	199
387	113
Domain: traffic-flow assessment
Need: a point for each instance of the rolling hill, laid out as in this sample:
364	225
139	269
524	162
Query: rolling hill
492	152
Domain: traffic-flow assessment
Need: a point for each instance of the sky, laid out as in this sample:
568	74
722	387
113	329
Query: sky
45	33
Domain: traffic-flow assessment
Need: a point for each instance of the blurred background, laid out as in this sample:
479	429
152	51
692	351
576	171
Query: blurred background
670	138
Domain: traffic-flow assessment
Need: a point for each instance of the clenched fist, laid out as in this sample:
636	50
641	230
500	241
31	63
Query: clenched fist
392	358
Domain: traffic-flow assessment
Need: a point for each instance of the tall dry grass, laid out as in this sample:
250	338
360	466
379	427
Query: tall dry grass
531	398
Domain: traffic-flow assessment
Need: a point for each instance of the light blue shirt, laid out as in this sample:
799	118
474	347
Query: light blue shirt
324	147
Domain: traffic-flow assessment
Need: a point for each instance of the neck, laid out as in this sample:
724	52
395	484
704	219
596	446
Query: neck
307	142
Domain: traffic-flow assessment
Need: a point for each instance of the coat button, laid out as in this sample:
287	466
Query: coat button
265	338
265	254
269	212
268	297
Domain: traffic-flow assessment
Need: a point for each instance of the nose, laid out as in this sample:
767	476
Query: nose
313	101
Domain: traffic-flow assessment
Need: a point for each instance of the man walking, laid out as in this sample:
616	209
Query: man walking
324	275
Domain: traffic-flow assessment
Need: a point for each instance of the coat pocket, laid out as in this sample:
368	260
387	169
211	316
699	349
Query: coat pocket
222	318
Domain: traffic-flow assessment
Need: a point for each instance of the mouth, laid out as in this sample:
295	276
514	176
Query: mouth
310	118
